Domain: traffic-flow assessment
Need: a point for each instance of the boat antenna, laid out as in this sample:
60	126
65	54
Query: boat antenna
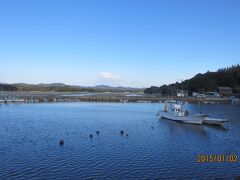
182	94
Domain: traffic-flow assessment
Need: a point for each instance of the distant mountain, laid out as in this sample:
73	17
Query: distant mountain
102	86
60	87
52	85
121	88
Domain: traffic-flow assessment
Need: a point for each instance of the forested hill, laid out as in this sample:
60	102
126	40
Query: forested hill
209	81
7	87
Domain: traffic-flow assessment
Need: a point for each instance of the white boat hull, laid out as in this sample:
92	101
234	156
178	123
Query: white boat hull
185	119
214	121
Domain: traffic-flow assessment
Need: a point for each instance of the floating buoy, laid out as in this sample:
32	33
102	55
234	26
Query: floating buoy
61	142
91	136
152	127
121	132
97	132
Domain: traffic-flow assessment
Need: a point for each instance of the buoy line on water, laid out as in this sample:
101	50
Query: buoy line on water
122	132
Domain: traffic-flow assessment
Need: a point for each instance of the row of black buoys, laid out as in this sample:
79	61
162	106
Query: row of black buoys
61	141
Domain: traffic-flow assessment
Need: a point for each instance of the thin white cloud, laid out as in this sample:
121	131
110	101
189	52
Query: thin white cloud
108	76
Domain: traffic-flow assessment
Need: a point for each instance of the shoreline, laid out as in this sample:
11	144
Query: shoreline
120	97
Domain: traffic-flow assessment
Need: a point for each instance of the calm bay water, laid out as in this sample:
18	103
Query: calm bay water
30	134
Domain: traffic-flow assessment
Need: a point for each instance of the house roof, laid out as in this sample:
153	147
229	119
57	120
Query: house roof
181	90
225	88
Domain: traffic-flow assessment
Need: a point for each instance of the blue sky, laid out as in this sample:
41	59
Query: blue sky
124	42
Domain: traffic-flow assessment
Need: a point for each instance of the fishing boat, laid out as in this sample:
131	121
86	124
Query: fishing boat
175	112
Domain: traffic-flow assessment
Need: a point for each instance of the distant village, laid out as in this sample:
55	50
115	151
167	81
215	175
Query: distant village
223	95
220	93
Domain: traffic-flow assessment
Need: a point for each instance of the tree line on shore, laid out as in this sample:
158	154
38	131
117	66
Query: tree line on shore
209	81
7	87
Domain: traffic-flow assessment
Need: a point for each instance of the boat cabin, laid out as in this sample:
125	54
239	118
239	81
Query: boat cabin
177	110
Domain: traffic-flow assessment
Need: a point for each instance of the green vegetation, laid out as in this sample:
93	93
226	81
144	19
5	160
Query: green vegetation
209	81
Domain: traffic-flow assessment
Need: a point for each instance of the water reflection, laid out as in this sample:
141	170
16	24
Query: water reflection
177	128
223	128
